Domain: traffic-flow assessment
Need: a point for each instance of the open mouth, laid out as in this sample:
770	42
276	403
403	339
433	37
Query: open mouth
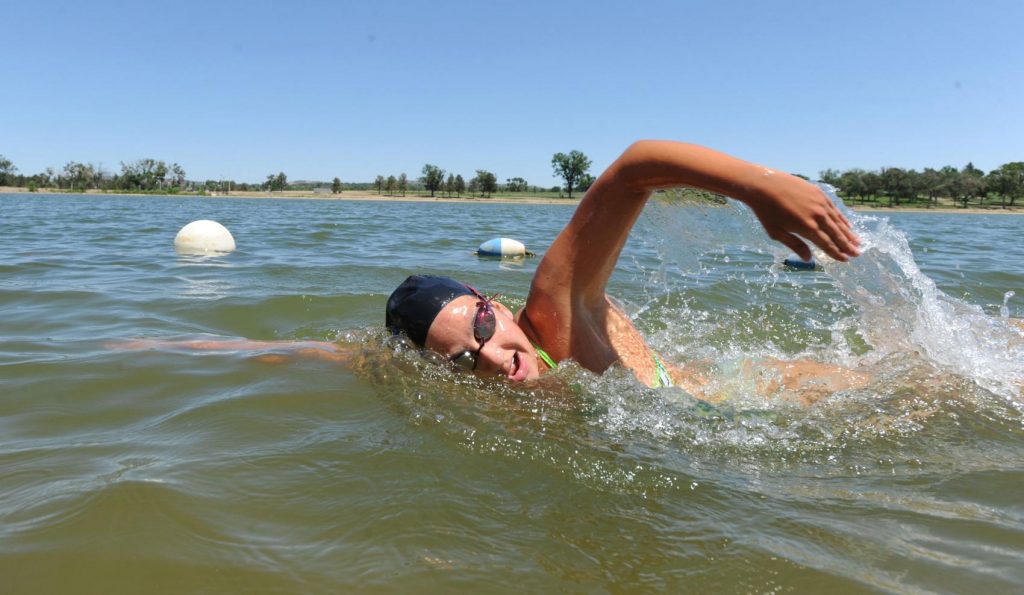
516	369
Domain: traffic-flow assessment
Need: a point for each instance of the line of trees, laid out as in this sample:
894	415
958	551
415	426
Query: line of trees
153	175
434	181
899	186
392	185
142	175
890	185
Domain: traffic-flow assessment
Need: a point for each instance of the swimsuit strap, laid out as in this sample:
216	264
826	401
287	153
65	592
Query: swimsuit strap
543	355
661	377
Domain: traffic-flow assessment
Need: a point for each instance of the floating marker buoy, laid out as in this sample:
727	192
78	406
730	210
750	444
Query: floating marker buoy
800	265
504	248
202	237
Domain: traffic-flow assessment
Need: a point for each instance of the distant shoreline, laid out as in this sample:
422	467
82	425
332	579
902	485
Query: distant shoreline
349	195
1016	210
363	196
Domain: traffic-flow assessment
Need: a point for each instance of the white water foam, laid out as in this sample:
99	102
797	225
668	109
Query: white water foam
902	310
899	310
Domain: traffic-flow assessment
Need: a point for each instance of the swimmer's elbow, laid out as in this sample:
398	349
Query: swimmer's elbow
648	165
631	167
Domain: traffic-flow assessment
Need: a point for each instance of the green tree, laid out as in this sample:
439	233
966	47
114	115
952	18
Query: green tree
276	183
449	185
403	183
379	183
585	182
79	176
849	184
336	186
516	185
485	182
460	185
898	184
570	168
830	177
390	185
974	182
145	174
1008	181
7	170
931	185
433	178
178	175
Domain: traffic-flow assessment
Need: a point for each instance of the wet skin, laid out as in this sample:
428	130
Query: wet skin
507	354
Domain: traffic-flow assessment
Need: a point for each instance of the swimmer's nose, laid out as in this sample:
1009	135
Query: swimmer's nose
491	361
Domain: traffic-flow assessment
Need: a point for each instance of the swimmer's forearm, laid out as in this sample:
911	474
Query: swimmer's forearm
649	165
789	208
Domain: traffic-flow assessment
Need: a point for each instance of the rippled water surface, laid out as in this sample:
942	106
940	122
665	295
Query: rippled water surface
168	469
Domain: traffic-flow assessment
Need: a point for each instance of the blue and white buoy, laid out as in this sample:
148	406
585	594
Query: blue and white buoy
503	248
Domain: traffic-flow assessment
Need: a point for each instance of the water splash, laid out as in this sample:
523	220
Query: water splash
711	292
902	310
878	306
1004	310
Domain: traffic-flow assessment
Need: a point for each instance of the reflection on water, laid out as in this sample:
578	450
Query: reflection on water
201	276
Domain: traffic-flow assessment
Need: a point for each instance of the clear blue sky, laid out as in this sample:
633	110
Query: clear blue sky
355	89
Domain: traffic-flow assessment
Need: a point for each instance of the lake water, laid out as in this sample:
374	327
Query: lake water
171	470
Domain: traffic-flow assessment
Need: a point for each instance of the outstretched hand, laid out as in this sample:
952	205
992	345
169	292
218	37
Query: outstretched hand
789	207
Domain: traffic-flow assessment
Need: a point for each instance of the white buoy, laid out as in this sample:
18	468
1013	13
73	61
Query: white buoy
503	247
202	237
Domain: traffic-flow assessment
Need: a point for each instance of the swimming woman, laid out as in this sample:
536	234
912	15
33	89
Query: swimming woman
567	315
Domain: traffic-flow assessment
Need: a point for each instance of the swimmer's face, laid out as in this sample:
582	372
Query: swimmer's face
507	354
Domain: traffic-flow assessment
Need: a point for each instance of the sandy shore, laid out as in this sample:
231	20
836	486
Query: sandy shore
357	195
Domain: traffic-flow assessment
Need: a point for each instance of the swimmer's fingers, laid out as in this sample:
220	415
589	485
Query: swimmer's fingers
820	227
793	243
845	226
787	205
829	241
830	231
848	241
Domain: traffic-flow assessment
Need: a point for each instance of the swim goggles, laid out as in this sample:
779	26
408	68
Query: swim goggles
483	329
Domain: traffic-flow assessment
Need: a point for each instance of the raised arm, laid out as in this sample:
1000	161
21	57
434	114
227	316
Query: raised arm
580	261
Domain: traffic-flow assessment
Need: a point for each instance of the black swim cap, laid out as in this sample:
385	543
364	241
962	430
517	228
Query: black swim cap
415	304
